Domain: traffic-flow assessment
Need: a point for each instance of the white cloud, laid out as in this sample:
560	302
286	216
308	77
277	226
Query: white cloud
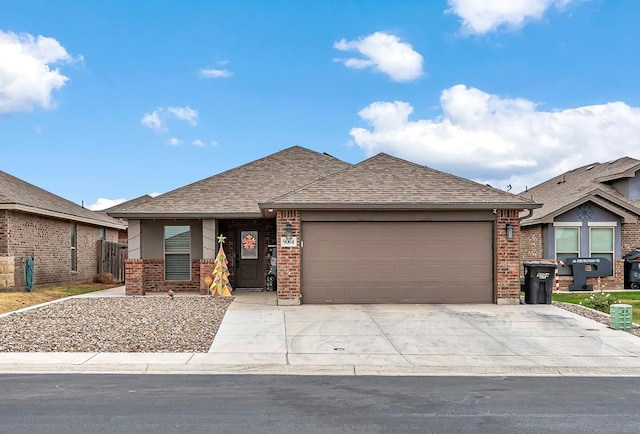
154	194
185	113
198	142
152	120
103	203
499	140
156	120
215	73
485	16
385	53
174	141
27	73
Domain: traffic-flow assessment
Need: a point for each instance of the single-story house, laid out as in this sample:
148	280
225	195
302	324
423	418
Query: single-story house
382	231
122	235
60	236
591	211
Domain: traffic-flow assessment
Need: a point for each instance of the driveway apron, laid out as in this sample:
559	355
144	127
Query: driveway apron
473	338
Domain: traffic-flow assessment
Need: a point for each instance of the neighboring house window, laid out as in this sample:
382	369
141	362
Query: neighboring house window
74	247
177	253
103	234
601	242
567	246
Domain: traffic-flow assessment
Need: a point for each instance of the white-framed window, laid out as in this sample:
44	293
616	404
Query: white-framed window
567	246
177	253
602	242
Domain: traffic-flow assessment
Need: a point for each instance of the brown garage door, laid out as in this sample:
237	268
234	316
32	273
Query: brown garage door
397	262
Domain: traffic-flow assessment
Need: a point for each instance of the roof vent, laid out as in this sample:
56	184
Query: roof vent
589	168
563	180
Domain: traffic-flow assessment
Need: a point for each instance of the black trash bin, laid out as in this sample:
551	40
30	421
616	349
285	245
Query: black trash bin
633	274
632	269
538	282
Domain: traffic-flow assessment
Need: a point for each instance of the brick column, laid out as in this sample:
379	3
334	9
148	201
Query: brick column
134	276
206	268
288	259
507	258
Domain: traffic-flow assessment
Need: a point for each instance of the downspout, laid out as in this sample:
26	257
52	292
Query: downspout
527	216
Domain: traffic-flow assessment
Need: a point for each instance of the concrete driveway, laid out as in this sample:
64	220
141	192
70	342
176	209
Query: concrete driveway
414	339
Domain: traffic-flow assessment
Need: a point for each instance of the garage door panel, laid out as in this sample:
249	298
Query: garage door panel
380	262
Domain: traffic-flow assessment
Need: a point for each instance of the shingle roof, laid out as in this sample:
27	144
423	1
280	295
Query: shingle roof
386	181
128	204
19	195
589	182
238	191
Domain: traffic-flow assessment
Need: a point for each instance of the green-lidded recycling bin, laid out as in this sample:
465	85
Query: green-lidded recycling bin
621	317
538	281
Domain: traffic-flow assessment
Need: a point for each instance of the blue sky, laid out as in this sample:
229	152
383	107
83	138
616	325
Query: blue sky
106	101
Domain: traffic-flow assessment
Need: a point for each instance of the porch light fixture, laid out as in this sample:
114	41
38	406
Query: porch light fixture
288	230
509	231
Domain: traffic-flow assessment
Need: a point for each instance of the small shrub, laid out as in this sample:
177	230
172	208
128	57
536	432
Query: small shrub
599	301
104	278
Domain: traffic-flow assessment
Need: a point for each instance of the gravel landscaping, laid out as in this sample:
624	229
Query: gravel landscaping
116	324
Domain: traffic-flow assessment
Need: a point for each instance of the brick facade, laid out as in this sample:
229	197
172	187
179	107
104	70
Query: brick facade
507	258
134	276
289	263
4	232
7	267
531	245
630	237
49	241
147	275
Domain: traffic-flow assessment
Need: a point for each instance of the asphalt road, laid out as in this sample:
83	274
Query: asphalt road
310	404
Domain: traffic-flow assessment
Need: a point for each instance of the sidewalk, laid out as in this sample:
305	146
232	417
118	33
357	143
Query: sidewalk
258	337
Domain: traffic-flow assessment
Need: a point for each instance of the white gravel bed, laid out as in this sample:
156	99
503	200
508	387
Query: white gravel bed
593	314
116	324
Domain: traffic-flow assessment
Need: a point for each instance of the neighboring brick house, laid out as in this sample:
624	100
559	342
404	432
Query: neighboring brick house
382	231
60	235
589	211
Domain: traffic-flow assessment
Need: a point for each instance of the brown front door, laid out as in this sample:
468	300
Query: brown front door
250	267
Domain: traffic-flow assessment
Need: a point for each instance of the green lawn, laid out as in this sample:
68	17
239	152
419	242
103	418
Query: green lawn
630	297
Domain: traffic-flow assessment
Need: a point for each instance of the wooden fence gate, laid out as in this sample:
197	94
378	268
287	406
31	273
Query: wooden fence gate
111	257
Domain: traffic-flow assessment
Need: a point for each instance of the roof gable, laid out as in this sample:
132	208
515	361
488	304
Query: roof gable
387	181
577	186
16	194
238	191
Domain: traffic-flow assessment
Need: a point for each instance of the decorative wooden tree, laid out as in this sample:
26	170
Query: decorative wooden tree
220	284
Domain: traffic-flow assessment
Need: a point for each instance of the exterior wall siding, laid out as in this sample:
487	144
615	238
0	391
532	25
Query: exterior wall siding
49	241
4	232
532	248
7	266
289	263
630	237
507	258
147	275
531	245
